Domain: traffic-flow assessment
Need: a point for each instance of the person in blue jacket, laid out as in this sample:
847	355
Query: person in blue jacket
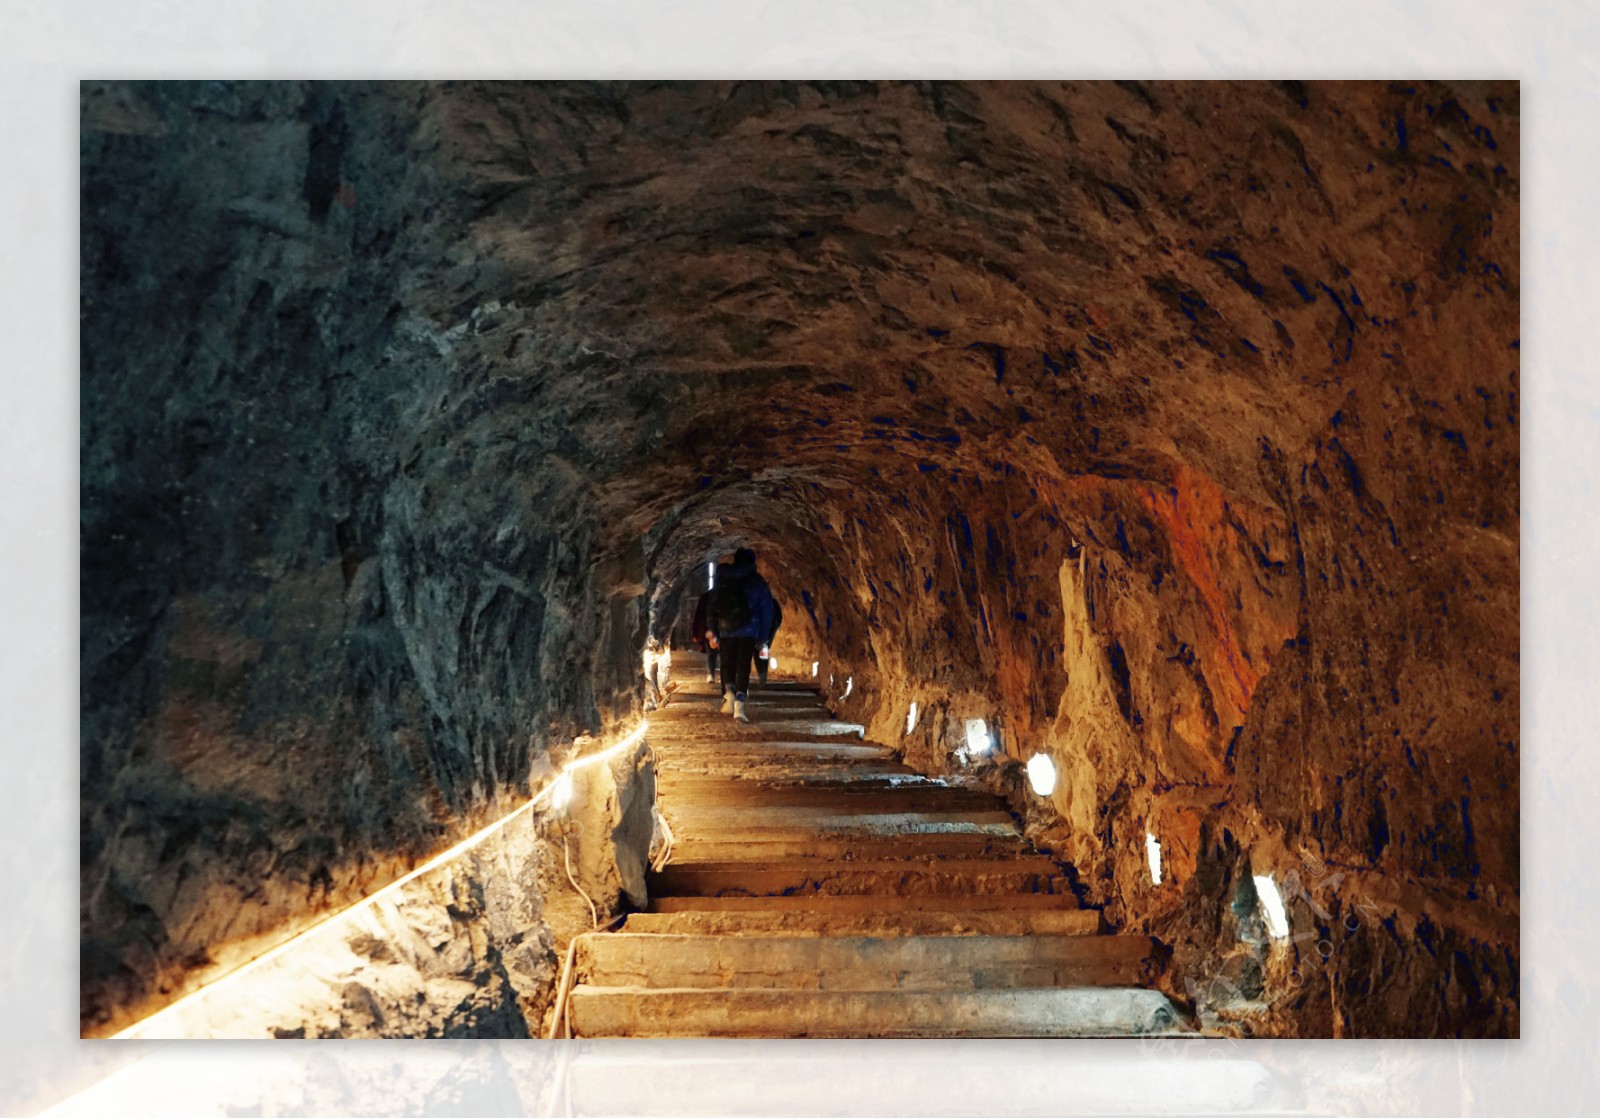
741	616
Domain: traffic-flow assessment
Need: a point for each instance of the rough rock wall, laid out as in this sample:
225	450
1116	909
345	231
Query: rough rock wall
1170	427
326	629
471	948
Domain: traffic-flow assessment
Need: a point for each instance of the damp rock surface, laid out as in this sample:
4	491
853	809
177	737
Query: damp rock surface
1170	428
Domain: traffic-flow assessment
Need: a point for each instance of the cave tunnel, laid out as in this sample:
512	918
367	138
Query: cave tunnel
1166	432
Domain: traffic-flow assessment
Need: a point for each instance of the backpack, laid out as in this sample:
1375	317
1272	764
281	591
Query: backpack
733	604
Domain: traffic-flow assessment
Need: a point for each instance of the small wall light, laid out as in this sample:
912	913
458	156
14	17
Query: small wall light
1042	774
911	718
561	793
1152	852
1272	906
849	682
814	666
978	740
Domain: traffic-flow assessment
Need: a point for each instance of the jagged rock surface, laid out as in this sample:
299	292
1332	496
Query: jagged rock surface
1173	428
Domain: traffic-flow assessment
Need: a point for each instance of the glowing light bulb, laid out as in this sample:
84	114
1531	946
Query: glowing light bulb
1152	852
911	718
849	682
814	666
1042	774
561	793
711	575
1272	906
978	741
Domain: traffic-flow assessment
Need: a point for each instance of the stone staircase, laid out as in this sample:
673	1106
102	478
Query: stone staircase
819	888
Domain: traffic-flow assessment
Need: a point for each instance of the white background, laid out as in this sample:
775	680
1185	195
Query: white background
45	48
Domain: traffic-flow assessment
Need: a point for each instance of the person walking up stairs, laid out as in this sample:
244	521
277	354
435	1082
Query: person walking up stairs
741	616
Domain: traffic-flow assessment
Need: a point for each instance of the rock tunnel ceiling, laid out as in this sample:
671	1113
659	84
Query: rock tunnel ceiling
1172	428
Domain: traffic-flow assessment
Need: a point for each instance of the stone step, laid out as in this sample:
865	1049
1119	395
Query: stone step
721	729
694	676
824	819
768	847
876	922
758	1012
865	876
680	791
705	710
846	904
754	744
698	694
868	774
796	752
864	963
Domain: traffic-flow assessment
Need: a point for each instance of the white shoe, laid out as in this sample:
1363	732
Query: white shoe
738	711
727	704
710	679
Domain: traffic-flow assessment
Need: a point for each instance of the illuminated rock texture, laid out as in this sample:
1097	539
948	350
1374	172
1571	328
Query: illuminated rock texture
1170	428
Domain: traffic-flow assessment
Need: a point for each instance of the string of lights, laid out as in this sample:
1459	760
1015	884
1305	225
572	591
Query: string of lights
559	791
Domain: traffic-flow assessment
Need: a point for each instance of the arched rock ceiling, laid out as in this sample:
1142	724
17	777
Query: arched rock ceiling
866	283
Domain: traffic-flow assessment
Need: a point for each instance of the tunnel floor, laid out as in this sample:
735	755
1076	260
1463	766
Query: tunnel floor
817	887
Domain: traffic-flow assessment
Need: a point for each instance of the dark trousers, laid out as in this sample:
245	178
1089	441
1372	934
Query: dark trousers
737	655
711	661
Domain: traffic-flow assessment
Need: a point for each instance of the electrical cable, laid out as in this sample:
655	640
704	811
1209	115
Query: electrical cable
566	857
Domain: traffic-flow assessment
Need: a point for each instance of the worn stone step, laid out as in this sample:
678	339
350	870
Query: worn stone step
868	774
704	713
947	921
824	819
694	677
706	701
680	791
792	750
758	1012
706	698
760	728
883	876
864	963
757	847
693	738
840	904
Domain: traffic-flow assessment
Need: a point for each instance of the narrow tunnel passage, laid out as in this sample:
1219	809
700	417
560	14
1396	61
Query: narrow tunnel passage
1143	456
